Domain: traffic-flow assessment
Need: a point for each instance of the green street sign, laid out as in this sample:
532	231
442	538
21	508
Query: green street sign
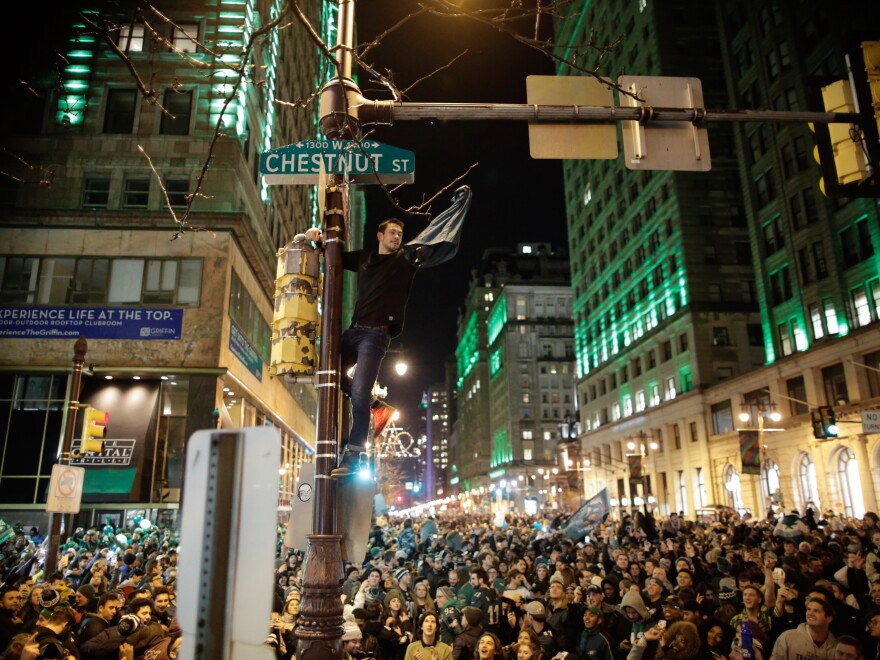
362	162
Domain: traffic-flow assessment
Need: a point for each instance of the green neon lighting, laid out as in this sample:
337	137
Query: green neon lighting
234	15
79	53
501	450
497	319
494	474
495	362
453	481
467	353
842	328
77	68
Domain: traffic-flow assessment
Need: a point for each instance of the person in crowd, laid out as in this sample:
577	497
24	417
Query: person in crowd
428	646
465	645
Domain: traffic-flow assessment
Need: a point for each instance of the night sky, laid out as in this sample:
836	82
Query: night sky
516	199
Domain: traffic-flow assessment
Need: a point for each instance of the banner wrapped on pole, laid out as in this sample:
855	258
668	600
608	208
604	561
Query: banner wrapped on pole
750	451
592	514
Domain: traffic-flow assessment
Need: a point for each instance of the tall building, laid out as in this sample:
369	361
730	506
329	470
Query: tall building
688	284
516	375
176	303
437	423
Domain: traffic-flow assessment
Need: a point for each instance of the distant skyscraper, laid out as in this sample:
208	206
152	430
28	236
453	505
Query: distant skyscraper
515	372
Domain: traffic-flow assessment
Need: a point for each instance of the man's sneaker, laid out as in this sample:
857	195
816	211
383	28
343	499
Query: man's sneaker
350	463
382	414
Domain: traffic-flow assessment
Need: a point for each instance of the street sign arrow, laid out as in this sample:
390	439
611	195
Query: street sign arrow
365	161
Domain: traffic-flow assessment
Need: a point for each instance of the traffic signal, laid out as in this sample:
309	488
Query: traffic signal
825	423
847	140
295	322
94	426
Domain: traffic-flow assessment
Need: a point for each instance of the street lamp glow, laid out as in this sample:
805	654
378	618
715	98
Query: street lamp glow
631	446
775	416
654	446
401	367
395	415
744	416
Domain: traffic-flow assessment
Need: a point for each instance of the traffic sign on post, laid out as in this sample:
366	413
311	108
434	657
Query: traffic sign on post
365	161
871	421
559	140
660	145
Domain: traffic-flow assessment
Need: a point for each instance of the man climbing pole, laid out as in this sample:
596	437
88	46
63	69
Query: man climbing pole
384	279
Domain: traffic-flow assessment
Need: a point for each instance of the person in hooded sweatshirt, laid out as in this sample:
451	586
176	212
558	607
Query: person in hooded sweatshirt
635	617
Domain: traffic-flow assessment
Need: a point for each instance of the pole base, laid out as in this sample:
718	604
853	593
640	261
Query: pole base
319	627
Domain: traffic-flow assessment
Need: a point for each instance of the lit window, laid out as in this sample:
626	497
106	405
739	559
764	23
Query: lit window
526	249
527	435
670	388
615	412
548	435
184	37
131	38
627	406
588	194
640	400
528	454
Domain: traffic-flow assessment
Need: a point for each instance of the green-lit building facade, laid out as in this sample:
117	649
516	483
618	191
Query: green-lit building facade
698	296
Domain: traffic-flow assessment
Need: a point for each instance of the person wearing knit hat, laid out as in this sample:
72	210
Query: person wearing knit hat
49	599
84	596
351	639
465	644
691	612
449	609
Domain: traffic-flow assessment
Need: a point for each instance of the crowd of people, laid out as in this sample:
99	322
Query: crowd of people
453	587
789	586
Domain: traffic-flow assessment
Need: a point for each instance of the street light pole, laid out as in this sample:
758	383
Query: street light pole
79	358
320	625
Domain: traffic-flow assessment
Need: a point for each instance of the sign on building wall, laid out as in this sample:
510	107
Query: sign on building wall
28	322
247	354
114	452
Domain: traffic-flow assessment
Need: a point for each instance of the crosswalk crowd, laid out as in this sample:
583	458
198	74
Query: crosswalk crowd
805	587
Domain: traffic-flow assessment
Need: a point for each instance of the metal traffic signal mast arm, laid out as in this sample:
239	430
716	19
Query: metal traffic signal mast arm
386	112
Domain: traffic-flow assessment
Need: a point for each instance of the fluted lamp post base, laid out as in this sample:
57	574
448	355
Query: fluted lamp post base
319	628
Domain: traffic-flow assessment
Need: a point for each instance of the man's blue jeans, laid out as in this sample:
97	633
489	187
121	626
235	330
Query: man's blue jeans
365	347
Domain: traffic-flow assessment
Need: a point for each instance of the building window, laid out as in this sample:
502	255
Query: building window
243	310
670	388
770	481
733	487
797	396
178	191
136	193
834	382
695	436
681	491
179	106
720	336
682	342
131	38
120	111
756	334
850	483
780	285
627	406
528	453
96	192
527	435
855	243
722	418
700	492
808	485
640	400
785	339
655	394
86	280
184	37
